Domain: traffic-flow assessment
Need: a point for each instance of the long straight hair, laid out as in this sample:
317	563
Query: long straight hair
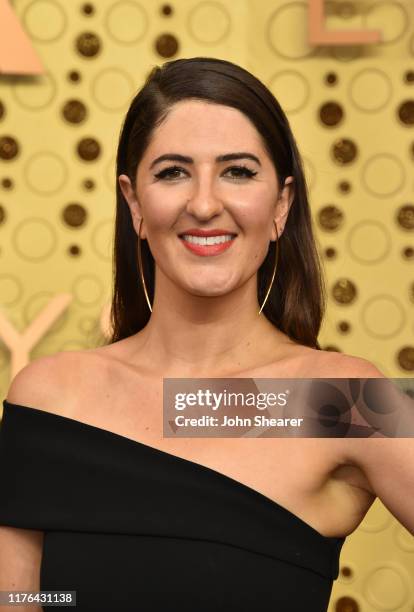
296	303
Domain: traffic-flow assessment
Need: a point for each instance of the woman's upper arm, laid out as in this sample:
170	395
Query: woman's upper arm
20	560
387	462
21	549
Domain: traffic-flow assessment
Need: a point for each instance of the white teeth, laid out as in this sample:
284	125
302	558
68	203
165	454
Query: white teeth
207	240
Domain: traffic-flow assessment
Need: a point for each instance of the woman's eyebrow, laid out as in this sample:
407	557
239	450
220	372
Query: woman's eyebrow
189	160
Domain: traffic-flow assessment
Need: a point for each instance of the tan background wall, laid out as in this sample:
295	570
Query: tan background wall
351	108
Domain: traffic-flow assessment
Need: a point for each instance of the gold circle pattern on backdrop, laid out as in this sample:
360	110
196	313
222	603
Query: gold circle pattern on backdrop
386	587
45	20
390	18
288	17
88	44
383	316
291	90
330	218
209	23
383	175
45	172
166	45
368	241
112	89
35	239
39	97
126	22
405	216
370	90
11	289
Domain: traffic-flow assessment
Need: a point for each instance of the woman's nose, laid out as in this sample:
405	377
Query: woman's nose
204	201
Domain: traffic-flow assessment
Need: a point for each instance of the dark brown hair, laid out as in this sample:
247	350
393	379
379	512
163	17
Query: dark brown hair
296	302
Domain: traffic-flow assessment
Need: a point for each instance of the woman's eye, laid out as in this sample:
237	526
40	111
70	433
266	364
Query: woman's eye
169	173
242	172
173	172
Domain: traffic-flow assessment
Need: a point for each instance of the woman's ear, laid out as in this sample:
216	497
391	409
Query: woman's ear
286	197
133	204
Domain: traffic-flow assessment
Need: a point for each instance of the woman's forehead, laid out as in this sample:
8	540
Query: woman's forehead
201	124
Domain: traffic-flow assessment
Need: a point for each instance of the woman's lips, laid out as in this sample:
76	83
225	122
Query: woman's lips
205	250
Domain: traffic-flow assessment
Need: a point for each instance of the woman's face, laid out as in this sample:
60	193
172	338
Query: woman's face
201	191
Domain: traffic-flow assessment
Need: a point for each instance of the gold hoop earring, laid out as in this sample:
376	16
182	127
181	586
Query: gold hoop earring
141	271
274	268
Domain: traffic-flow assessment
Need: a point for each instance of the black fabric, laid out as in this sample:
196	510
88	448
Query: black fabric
133	528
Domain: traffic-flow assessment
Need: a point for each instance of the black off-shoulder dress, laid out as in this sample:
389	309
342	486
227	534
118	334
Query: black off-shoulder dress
132	528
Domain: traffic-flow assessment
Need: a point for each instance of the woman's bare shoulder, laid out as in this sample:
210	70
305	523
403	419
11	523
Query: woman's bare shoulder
333	364
44	382
307	362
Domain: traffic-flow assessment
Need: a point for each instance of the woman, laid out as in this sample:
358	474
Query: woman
109	508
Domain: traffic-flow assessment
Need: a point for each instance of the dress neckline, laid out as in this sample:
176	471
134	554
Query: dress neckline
197	466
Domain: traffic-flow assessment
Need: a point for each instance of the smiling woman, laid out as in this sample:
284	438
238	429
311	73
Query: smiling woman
206	150
209	181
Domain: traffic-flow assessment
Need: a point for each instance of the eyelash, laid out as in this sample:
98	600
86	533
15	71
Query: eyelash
247	173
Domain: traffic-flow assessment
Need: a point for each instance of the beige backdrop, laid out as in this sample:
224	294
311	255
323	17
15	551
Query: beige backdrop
351	108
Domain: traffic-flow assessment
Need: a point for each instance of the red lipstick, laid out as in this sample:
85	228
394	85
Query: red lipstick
194	231
206	250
